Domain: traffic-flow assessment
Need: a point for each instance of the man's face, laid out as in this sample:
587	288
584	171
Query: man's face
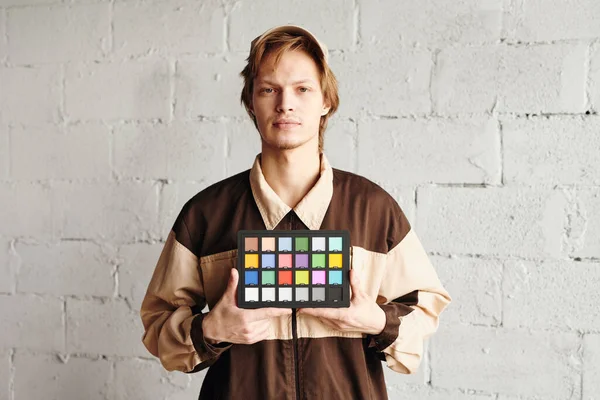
289	90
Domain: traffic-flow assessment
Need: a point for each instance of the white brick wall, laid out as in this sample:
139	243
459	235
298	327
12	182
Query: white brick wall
479	117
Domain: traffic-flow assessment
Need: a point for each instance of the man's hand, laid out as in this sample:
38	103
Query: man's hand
363	315
228	323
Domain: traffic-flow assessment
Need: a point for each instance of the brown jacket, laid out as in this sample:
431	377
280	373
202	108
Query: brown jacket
302	358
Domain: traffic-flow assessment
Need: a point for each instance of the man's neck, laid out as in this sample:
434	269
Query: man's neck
291	173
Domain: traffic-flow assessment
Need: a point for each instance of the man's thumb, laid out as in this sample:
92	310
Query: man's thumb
233	282
355	283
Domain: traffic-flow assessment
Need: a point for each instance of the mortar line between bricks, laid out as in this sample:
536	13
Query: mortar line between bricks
582	371
116	271
432	74
371	117
111	154
11	375
356	32
111	378
174	89
501	134
502	302
161	189
4	19
13	253
8	152
505	257
588	76
172	84
226	31
65	323
111	27
62	110
88	355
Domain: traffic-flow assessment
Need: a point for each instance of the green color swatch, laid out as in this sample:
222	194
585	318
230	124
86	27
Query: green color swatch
268	277
318	260
301	244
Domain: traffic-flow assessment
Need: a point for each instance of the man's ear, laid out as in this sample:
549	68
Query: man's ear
325	111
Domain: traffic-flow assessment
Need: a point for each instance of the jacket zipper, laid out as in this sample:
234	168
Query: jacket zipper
295	342
295	332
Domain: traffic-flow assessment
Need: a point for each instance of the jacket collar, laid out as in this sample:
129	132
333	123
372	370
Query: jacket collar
311	209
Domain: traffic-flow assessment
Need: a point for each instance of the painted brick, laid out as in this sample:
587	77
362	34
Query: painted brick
182	150
65	268
5	375
137	89
594	77
507	361
520	79
333	23
591	367
91	322
243	145
34	35
126	211
552	150
340	140
52	152
32	218
171	27
31	322
404	91
39	94
536	20
51	376
550	295
430	150
136	264
430	22
209	86
141	379
475	286
582	233
492	221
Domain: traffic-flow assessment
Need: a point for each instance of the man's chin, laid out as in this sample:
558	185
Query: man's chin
288	146
285	145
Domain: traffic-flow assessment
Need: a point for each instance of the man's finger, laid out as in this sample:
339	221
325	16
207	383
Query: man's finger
232	285
328	322
266	313
355	284
261	333
316	312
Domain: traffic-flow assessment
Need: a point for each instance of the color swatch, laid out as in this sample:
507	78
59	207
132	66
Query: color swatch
293	269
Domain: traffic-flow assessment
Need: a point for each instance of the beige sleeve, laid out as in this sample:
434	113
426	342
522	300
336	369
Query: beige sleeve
413	298
171	311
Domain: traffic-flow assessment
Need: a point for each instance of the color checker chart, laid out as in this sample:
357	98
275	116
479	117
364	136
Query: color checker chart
293	269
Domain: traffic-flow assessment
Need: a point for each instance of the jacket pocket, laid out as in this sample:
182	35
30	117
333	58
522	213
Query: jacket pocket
370	268
215	271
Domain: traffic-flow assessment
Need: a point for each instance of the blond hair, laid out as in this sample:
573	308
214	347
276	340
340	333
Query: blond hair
278	41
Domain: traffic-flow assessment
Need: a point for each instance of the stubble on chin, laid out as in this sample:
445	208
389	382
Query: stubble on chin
280	144
287	145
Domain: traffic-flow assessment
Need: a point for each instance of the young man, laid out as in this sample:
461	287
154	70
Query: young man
275	353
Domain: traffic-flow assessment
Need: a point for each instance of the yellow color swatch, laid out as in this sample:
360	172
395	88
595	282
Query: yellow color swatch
251	261
335	261
301	277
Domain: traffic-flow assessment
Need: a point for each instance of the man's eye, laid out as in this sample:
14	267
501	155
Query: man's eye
265	90
307	89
